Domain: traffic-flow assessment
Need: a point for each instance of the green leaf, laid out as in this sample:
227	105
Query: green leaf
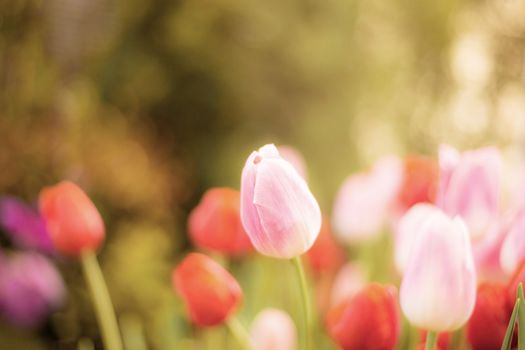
510	328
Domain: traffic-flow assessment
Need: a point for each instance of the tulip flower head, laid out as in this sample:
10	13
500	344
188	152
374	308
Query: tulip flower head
420	181
273	329
367	321
438	289
209	292
72	220
30	288
365	201
487	326
25	225
215	224
278	211
470	186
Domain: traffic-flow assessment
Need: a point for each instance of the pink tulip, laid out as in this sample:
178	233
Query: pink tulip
294	157
278	211
407	231
470	186
513	248
273	329
348	281
438	290
365	201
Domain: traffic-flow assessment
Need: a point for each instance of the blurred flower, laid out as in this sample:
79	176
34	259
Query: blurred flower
365	201
72	219
326	255
420	180
294	157
443	340
30	288
273	329
513	249
215	223
209	292
488	323
24	225
348	281
440	271
367	321
470	186
278	211
408	228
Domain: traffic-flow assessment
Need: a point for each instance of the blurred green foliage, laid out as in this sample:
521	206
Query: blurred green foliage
148	103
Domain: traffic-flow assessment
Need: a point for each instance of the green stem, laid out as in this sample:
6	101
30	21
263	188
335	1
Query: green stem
102	302
307	314
521	318
239	332
431	340
510	328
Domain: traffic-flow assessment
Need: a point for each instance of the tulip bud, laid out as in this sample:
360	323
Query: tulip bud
72	220
419	181
368	321
278	211
365	201
273	329
30	288
325	255
438	290
408	228
209	292
488	323
294	157
470	186
215	223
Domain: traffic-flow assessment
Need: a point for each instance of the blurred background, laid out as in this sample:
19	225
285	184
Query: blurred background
146	104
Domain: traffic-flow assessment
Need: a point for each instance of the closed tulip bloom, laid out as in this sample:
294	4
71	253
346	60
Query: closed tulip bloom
488	323
365	201
407	230
209	292
30	288
294	157
470	186
367	321
24	225
420	181
278	211
438	289
273	329
215	223
513	249
326	255
72	220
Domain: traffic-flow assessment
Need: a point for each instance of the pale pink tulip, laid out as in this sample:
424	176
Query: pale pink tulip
470	187
294	157
438	290
273	329
278	211
407	230
349	280
513	248
365	202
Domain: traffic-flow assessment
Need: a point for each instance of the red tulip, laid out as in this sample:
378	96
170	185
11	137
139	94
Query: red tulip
488	323
72	219
443	340
209	292
420	181
215	223
326	255
367	321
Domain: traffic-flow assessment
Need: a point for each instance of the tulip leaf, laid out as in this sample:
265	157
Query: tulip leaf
521	318
510	328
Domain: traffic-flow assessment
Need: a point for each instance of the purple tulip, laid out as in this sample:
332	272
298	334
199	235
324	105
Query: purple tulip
24	225
30	288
